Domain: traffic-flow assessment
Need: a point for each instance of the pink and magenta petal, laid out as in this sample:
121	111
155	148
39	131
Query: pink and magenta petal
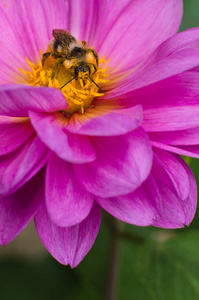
71	147
143	23
177	204
190	203
26	28
21	165
182	137
166	199
16	210
191	150
122	164
17	100
137	208
166	165
171	118
13	133
68	245
170	212
67	202
116	122
173	57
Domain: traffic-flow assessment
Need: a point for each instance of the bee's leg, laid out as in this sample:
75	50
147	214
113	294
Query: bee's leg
56	67
94	66
44	57
95	55
56	56
84	44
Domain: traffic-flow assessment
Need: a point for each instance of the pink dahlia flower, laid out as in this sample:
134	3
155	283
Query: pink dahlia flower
67	153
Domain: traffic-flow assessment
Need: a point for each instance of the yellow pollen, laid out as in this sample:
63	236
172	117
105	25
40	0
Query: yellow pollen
79	93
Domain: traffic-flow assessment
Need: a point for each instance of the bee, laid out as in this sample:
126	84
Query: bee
72	54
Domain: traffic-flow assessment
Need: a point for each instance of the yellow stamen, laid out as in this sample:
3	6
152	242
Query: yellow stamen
79	93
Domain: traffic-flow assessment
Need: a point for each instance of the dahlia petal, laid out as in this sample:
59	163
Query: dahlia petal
68	245
116	122
17	100
178	98
181	137
181	89
174	169
160	200
70	147
137	208
16	210
99	22
169	105
189	205
192	150
172	57
171	119
28	30
13	133
172	65
19	166
176	207
171	213
67	202
117	170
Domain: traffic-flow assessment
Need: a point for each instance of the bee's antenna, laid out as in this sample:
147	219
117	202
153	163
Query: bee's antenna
68	82
77	77
95	83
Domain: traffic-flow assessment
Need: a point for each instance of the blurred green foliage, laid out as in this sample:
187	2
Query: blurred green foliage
190	15
165	266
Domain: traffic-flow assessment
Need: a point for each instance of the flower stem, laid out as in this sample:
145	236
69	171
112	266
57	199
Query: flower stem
113	259
117	235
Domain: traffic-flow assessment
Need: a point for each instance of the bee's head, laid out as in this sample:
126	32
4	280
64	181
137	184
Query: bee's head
83	69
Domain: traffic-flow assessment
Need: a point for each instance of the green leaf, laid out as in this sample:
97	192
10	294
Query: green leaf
161	270
190	16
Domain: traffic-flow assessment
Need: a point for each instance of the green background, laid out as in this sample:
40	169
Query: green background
164	266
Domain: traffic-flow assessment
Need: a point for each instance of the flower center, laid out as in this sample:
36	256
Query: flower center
79	90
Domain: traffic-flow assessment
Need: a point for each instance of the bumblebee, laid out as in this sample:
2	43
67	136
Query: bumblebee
72	54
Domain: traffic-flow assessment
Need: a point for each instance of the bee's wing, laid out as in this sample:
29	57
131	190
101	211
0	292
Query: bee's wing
58	33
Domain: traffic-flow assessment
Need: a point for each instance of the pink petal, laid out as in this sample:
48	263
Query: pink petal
181	137
19	166
143	23
122	164
185	142
68	245
190	203
176	208
181	89
171	213
171	119
17	100
166	199
67	202
172	57
192	150
168	105
26	28
71	147
16	210
137	208
116	122
174	169
175	101
13	133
